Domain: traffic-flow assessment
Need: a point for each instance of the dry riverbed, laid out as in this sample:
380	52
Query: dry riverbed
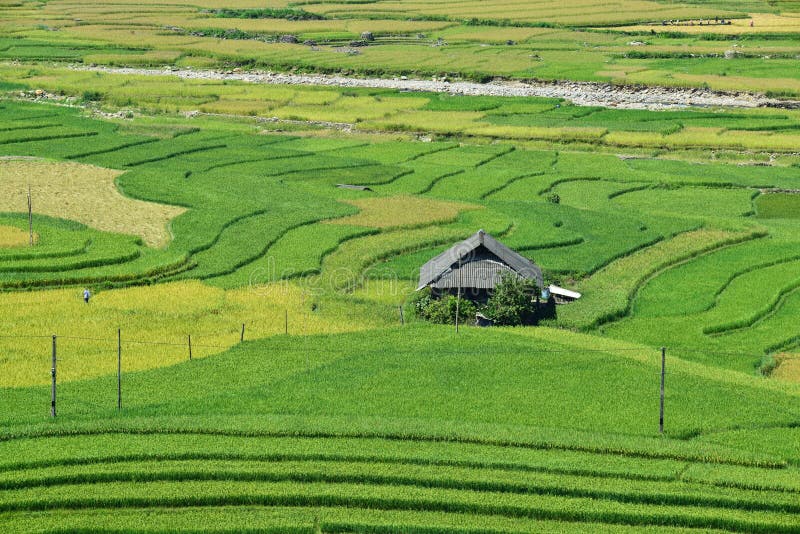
580	93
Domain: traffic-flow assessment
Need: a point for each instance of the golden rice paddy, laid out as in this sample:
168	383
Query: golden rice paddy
11	236
402	211
155	324
788	368
761	23
82	193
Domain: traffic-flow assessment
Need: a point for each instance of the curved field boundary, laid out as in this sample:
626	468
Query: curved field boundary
505	151
171	155
50	455
428	188
445	147
259	254
786	344
750	269
53	137
65	253
226	164
759	316
728	282
392	178
263	262
684	452
160	272
31	127
740	257
334	458
80	155
447	473
659	494
350	458
285	520
497	189
632	189
110	253
377	497
623	278
310	170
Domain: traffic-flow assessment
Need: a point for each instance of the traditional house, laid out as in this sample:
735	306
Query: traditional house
474	267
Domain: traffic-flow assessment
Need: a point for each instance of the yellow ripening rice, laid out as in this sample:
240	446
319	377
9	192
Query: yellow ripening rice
11	236
156	322
82	193
788	368
402	210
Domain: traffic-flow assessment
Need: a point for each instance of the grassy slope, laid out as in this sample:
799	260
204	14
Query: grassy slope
321	423
477	377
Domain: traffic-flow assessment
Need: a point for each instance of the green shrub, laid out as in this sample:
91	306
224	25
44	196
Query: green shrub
768	365
443	310
420	301
512	302
92	96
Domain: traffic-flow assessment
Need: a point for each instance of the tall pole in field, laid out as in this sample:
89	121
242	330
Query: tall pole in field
119	369
30	216
53	376
458	298
190	347
663	373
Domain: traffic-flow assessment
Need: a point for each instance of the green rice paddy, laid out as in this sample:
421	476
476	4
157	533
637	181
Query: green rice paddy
334	409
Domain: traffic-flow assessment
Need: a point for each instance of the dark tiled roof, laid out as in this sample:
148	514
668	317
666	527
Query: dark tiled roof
479	261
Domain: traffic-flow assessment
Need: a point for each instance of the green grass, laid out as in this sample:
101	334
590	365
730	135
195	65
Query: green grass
778	206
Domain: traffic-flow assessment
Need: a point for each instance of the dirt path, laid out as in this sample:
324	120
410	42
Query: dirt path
580	93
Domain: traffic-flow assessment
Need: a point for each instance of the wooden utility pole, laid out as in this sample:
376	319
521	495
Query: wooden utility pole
663	373
53	376
119	369
190	347
458	298
30	216
241	339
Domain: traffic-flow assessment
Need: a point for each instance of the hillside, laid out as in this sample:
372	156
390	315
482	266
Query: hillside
484	430
248	192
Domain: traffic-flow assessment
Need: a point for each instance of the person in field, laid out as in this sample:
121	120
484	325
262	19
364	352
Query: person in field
86	296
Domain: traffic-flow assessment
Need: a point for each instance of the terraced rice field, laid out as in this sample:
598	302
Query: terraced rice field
85	194
692	44
256	231
250	359
333	459
281	482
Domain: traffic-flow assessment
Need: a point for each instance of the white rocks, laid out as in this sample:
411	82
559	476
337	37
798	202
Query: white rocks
580	93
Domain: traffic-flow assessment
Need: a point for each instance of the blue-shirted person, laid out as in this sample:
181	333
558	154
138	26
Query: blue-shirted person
86	295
